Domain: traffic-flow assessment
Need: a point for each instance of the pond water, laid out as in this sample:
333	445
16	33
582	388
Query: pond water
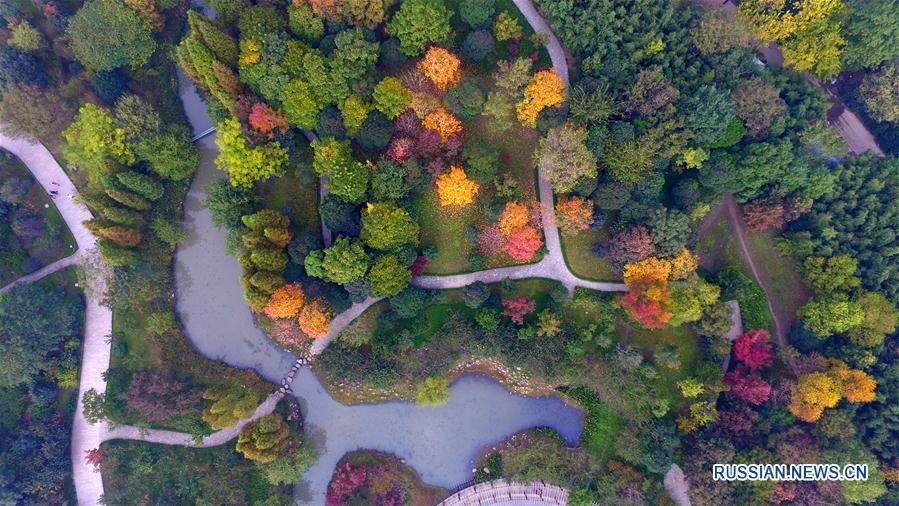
440	443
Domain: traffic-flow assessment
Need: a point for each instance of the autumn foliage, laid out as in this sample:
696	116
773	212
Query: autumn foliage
816	391
518	308
754	349
455	189
546	89
286	301
574	214
514	217
266	120
441	67
648	300
523	244
748	387
315	318
443	122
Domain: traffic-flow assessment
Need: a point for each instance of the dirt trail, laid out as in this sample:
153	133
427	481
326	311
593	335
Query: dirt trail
781	321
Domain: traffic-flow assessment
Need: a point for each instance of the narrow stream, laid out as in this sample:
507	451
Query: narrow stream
440	443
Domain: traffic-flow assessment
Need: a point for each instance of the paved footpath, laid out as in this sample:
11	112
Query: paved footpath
97	318
44	271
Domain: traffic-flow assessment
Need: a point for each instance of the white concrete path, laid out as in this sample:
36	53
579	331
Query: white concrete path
97	319
44	271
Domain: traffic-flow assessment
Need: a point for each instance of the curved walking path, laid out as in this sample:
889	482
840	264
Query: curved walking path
44	271
97	318
552	266
533	493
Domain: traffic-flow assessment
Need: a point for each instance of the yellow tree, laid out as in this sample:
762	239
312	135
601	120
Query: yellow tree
455	189
546	89
808	31
441	67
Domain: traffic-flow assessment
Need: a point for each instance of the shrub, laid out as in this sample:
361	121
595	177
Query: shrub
433	392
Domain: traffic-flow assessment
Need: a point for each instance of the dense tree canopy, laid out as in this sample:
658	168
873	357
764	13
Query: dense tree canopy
106	34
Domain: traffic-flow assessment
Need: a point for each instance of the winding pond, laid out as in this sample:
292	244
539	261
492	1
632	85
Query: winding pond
440	443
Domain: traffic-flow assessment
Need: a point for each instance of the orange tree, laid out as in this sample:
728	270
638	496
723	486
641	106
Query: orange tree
455	189
574	214
286	301
315	318
514	216
814	392
441	67
443	122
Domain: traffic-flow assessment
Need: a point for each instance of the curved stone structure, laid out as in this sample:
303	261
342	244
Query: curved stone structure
509	493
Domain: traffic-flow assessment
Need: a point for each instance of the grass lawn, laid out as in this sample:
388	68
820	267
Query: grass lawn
581	260
780	273
718	248
447	227
296	195
22	255
686	341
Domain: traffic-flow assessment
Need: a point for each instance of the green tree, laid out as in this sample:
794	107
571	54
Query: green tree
826	275
93	140
105	34
757	103
388	181
419	23
230	404
220	43
35	322
345	261
169	153
299	105
831	314
26	37
354	111
288	468
718	32
304	23
141	184
388	276
709	112
245	164
348	181
881	319
391	97
433	392
32	111
385	226
564	158
690	299
265	439
669	229
476	13
353	56
871	30
880	91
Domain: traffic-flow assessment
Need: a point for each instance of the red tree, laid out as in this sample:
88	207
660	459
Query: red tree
518	308
737	420
266	120
418	266
631	245
754	349
400	149
748	387
94	457
523	244
760	215
347	479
